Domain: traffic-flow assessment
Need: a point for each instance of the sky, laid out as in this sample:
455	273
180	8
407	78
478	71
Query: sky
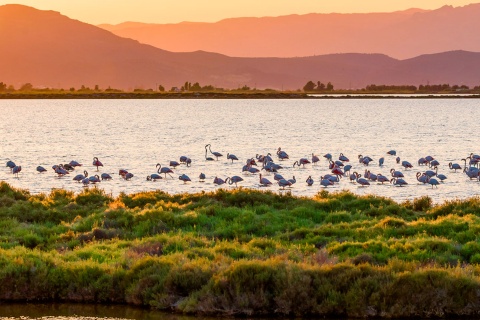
162	11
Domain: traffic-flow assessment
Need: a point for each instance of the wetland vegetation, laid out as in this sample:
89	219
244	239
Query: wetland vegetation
242	252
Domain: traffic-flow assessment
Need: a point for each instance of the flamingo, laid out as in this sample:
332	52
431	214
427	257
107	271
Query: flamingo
392	152
396	174
434	163
381	161
85	182
328	156
61	171
233	179
74	163
184	178
362	181
231	157
206	157
364	160
429	158
430	173
154	177
188	162
80	177
105	176
218	181
454	166
264	181
422	162
284	183
68	167
282	154
251	162
128	176
397	159
278	177
353	177
202	177
339	163
16	170
347	169
433	182
325	182
97	163
381	178
406	164
422	177
94	179
264	159
343	158
315	159
253	170
309	181
174	164
11	164
215	153
398	182
183	159
122	172
332	178
41	169
164	170
337	172
372	176
302	161
293	180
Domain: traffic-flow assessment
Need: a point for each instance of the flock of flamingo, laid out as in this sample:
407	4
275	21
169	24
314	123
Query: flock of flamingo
339	169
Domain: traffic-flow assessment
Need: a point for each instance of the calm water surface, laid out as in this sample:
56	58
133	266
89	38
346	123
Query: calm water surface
69	311
137	134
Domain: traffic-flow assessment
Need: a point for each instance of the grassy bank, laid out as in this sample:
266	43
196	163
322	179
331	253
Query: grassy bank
242	252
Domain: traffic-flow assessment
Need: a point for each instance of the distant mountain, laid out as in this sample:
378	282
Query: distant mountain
51	50
402	34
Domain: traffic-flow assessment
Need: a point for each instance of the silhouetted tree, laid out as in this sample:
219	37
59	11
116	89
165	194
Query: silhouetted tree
3	86
310	86
26	87
195	87
161	88
329	86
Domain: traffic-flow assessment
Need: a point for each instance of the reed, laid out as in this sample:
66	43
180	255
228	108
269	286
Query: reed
242	252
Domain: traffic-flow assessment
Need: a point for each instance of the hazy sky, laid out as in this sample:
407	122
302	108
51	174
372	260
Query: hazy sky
162	11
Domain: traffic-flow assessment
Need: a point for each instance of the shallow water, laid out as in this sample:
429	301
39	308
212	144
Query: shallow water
70	311
137	134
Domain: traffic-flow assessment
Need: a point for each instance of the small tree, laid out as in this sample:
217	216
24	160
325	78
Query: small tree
310	86
161	88
329	86
195	87
26	87
3	86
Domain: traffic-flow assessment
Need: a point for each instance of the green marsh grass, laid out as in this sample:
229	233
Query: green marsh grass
242	252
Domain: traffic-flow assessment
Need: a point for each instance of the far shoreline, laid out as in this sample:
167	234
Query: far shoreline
236	95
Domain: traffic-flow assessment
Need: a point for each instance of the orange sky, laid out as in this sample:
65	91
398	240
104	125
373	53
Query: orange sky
167	11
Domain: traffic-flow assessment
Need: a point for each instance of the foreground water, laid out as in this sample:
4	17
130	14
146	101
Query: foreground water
137	134
69	311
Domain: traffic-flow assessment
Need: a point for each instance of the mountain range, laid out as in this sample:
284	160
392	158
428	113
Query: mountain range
48	49
401	35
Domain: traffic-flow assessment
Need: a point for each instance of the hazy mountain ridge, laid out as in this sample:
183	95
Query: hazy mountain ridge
400	34
51	50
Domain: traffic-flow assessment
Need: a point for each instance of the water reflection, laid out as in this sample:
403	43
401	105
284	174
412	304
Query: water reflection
83	311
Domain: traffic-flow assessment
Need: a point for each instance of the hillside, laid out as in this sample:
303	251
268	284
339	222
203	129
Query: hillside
48	49
402	34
